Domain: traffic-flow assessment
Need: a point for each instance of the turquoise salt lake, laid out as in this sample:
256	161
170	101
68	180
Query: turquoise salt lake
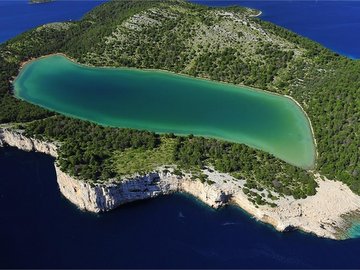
168	103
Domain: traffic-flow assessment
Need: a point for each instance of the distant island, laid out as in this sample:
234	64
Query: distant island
101	167
40	1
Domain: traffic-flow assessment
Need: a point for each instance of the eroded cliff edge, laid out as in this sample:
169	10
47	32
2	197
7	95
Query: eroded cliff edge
321	214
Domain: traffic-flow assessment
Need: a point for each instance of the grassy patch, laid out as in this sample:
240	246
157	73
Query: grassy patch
131	161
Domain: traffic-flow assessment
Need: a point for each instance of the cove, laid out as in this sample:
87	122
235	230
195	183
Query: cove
168	103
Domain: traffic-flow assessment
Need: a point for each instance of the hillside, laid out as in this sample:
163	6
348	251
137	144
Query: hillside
223	44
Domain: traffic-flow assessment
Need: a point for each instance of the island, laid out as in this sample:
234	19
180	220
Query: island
40	1
103	160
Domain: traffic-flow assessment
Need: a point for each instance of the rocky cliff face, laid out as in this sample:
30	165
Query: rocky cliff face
320	214
107	196
16	139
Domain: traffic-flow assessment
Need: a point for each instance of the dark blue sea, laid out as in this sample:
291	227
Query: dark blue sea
41	229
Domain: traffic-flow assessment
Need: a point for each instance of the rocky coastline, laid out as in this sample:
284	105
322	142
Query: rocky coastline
321	214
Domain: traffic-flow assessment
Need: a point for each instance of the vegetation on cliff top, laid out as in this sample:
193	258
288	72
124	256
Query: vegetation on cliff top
96	153
225	44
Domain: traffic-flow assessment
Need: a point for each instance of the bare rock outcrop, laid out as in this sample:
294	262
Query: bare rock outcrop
107	196
16	139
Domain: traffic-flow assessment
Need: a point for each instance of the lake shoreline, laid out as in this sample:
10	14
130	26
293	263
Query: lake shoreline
310	126
243	90
24	63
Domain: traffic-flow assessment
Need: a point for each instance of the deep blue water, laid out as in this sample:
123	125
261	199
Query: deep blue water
41	229
17	16
334	24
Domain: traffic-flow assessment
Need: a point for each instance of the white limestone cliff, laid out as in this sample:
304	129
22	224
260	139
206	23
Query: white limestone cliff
107	196
321	214
16	139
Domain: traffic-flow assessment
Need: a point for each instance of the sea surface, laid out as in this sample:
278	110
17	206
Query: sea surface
169	103
41	229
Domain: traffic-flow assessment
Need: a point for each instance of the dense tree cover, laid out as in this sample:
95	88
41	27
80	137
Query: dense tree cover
230	66
87	148
187	40
99	22
14	110
334	109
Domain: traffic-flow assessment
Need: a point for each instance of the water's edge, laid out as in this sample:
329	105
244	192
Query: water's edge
288	215
295	103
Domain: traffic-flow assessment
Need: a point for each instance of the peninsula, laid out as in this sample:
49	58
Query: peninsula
101	167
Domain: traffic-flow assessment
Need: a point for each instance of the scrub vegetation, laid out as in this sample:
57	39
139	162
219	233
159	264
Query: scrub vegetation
138	160
223	44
